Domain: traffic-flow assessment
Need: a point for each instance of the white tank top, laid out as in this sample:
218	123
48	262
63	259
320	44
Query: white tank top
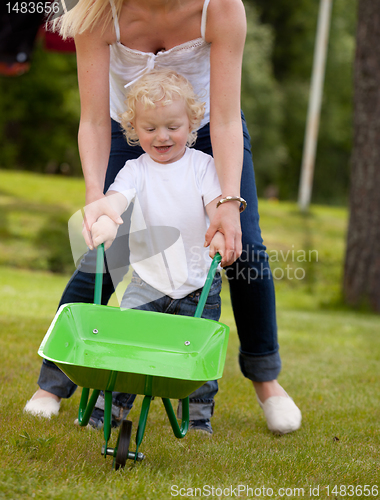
190	59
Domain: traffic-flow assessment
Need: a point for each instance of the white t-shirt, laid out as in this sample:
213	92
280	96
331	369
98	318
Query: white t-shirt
169	220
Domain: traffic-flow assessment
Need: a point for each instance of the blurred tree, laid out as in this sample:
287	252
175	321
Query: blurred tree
262	102
362	264
39	111
39	114
293	25
294	28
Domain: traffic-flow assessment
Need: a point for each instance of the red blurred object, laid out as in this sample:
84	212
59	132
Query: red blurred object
13	69
18	33
54	42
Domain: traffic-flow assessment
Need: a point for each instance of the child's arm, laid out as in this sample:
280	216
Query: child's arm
218	242
104	229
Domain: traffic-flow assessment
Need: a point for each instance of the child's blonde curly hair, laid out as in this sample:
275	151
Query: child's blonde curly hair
164	86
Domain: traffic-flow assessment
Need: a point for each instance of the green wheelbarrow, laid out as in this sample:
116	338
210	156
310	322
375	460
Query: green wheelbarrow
107	349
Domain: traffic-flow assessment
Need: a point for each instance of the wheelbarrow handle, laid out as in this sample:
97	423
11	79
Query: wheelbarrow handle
99	274
206	288
202	299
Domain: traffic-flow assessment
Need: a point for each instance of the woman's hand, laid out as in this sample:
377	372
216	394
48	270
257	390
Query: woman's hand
92	212
226	220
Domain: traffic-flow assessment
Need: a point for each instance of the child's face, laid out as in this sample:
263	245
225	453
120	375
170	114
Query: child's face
163	130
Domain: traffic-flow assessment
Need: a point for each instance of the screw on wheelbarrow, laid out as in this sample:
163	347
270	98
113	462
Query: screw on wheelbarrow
138	352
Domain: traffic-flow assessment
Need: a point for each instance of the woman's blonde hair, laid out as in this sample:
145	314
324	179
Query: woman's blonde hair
72	17
164	86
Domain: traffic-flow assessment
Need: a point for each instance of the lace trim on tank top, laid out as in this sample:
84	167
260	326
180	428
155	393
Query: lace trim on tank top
151	58
192	44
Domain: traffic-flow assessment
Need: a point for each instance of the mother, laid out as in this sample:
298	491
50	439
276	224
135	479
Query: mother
116	42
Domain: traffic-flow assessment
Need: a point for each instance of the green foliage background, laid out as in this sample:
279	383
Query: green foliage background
39	114
39	111
276	110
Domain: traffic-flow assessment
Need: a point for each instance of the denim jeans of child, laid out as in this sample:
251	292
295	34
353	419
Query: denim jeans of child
250	278
140	295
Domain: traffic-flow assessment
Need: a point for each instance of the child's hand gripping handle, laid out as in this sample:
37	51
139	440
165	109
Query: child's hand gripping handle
206	289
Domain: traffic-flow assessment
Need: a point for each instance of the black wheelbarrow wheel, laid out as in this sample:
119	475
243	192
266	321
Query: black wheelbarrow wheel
123	444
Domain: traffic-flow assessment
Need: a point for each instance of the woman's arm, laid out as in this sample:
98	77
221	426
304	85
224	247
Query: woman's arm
226	30
94	137
217	242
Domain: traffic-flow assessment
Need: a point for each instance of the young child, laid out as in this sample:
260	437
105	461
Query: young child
175	190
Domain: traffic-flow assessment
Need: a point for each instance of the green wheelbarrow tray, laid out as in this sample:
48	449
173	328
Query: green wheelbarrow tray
138	352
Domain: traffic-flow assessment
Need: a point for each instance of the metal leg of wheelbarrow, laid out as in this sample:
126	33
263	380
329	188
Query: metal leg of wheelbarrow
120	453
107	416
179	432
142	421
85	410
85	406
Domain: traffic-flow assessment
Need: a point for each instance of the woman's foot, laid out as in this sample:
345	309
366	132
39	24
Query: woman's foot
43	404
282	414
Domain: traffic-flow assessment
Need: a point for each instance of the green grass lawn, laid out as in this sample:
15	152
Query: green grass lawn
331	365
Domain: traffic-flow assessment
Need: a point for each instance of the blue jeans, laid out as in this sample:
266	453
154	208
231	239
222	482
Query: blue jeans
250	278
140	295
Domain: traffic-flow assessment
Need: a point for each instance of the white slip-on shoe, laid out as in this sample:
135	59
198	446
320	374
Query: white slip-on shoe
42	407
282	414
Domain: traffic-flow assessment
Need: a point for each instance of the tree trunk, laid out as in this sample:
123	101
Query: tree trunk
362	264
